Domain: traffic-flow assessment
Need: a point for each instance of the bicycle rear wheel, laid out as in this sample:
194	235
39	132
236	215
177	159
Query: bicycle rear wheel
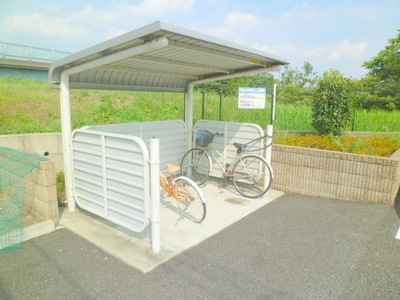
196	164
190	199
252	176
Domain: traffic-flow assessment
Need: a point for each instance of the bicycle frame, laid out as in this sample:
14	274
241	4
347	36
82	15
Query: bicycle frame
215	155
167	183
171	189
227	172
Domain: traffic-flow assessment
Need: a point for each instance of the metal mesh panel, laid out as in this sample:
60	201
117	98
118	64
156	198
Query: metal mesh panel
14	167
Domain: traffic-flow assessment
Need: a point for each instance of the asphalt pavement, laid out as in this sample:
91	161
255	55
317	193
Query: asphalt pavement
295	247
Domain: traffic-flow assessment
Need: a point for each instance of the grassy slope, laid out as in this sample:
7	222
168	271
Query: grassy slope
28	106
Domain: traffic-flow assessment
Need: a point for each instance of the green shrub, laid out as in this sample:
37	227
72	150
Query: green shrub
332	104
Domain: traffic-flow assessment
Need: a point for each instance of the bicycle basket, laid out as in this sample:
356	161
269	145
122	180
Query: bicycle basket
203	138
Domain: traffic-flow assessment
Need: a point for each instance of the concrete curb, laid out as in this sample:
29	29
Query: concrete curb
38	229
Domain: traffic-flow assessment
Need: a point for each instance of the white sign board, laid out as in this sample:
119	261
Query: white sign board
251	98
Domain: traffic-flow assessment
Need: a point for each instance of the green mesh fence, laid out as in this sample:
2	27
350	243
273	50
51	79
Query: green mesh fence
14	167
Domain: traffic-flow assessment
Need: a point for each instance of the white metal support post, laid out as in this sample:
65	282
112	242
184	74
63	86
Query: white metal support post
189	115
268	150
155	194
270	132
66	139
270	129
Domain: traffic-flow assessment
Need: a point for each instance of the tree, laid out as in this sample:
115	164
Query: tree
295	85
372	93
383	80
306	77
386	65
332	108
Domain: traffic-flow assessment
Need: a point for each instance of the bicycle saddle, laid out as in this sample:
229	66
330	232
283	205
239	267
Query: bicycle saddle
240	147
172	168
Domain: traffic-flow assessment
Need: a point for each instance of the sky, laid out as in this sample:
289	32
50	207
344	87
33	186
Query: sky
330	34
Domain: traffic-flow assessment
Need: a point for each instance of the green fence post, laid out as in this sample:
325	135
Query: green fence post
203	104
220	105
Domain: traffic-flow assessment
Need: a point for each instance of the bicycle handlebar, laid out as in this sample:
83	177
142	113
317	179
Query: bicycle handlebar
243	146
263	137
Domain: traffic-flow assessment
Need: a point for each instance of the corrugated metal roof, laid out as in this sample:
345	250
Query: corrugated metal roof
160	57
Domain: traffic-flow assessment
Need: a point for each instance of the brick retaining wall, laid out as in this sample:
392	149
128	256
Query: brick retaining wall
337	175
41	193
34	191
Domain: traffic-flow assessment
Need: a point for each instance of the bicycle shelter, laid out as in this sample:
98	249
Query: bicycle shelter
159	57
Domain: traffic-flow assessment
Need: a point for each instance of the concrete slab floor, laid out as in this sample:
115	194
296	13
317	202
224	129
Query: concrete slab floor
224	207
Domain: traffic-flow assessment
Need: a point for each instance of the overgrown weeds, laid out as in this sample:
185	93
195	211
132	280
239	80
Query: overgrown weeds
60	186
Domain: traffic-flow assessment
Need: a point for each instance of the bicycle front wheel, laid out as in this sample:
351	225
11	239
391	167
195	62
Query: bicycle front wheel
252	176
190	199
196	164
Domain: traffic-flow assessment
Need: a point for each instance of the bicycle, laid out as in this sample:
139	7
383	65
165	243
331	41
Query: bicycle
251	174
187	193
